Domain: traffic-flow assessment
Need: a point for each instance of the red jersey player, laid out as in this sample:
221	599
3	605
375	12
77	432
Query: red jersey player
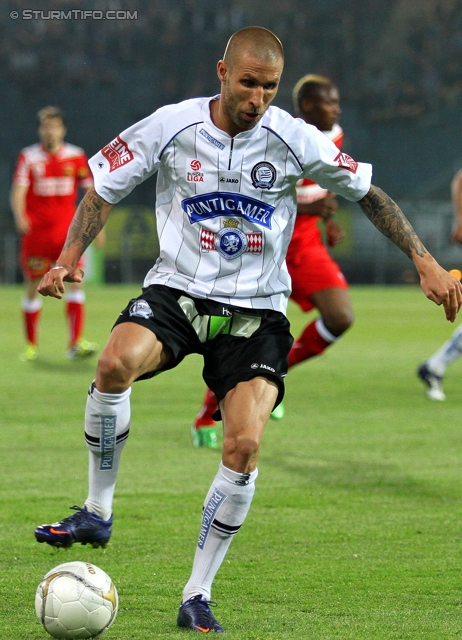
43	199
317	282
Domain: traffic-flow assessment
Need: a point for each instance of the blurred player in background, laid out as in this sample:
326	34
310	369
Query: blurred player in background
317	281
43	199
432	371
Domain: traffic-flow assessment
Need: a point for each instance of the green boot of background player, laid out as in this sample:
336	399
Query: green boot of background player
82	349
204	437
29	354
278	413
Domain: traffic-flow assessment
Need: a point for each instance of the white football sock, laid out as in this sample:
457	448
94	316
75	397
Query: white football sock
225	509
29	306
107	425
324	331
447	354
76	295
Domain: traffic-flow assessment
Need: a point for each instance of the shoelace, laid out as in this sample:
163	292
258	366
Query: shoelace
77	517
204	614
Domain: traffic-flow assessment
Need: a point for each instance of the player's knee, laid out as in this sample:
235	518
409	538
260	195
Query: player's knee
242	448
339	321
112	374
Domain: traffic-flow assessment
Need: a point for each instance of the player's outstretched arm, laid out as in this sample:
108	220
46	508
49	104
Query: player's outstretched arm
90	217
18	206
438	285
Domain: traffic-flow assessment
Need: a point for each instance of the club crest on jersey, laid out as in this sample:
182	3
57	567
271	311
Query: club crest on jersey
346	162
212	205
141	309
263	175
117	153
230	242
82	172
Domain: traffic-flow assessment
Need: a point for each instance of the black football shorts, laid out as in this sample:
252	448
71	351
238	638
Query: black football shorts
237	344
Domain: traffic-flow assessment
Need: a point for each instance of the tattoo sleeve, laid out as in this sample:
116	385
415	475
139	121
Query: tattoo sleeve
391	221
87	221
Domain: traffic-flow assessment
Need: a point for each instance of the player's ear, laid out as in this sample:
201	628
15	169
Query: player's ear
306	105
222	70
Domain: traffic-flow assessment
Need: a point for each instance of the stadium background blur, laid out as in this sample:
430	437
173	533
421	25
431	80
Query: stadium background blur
398	66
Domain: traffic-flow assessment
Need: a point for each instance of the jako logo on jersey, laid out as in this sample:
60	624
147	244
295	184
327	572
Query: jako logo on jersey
263	175
255	365
117	154
223	203
211	139
141	309
346	162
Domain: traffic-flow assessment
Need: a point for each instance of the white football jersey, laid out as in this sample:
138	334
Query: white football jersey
225	206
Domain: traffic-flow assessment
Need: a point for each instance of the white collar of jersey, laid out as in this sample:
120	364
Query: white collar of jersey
209	122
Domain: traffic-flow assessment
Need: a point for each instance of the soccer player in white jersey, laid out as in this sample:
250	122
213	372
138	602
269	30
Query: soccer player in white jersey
226	204
432	371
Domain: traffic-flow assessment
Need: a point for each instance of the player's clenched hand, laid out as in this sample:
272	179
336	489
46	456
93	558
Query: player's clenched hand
334	232
323	208
52	283
330	203
442	288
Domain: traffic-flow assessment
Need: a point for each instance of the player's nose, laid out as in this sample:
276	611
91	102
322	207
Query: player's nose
256	98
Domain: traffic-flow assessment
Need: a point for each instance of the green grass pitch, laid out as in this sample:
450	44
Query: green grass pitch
355	529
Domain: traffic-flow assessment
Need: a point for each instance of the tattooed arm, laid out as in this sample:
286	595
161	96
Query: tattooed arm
90	217
437	284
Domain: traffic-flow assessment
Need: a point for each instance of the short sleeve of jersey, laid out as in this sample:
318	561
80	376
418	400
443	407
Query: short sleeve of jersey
21	175
329	167
129	159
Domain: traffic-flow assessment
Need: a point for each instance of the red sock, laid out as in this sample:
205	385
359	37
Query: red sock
31	323
75	312
209	406
309	344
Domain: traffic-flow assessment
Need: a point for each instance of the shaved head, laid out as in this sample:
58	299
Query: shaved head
255	42
249	74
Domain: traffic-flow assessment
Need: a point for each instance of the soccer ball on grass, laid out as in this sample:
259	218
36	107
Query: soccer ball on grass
76	600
